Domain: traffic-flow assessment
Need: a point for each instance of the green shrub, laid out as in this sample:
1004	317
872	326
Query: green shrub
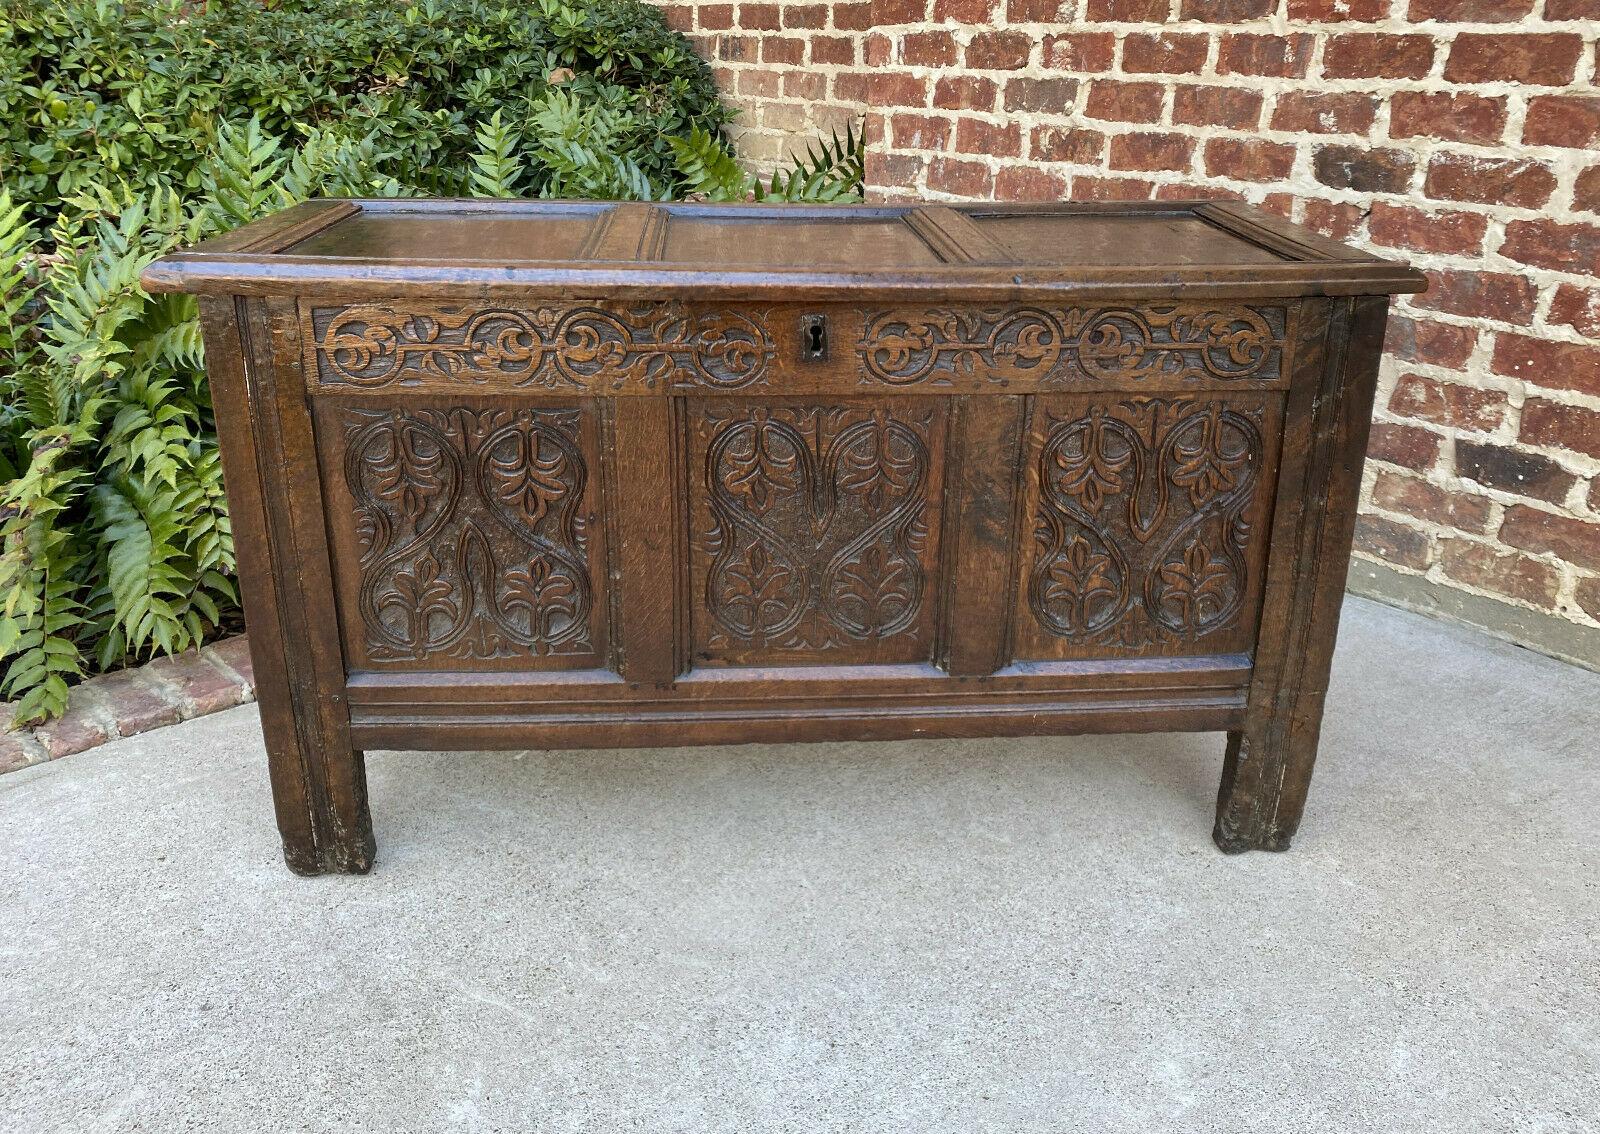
95	91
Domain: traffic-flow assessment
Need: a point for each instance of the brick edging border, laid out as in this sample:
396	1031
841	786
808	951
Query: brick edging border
130	701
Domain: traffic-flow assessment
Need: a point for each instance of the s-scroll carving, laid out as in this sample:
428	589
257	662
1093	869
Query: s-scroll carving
1142	527
471	538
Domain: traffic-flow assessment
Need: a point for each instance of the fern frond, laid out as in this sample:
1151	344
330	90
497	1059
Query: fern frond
708	170
496	166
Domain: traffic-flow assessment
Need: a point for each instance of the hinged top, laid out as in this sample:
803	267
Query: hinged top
998	251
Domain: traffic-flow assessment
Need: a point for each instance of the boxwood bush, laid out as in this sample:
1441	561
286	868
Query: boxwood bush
130	127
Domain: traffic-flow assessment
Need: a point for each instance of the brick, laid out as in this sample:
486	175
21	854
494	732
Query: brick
1336	220
1377	55
1423	340
17	749
133	706
783	49
1504	573
1037	11
197	684
1407	445
1549	60
738	48
1454	117
971	12
1559	247
1225	11
965	92
1572	121
1280	56
1532	529
1572	9
77	730
716	17
1449	403
1125	102
1022	183
1337	11
974	136
926	49
896	90
833	49
234	654
899	171
1164	53
1395	492
1586	190
679	19
1548	363
1559	426
1391	542
1150	151
810	86
919	132
1335	113
852	87
1489	181
1513	470
762	84
1450	233
1190	191
1129	11
1063	143
960	178
759	17
1478	294
888	13
1051	96
1248	159
1468	11
1111	188
1217	106
999	51
854	17
804	15
1587	593
1363	169
1578	308
1080	51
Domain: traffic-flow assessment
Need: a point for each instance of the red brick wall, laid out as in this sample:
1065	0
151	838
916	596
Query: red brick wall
1463	135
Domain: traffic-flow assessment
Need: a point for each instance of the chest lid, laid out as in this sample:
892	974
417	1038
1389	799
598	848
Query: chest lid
987	251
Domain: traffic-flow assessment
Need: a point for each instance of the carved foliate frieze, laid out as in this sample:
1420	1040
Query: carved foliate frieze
646	346
814	529
1145	521
1060	346
470	531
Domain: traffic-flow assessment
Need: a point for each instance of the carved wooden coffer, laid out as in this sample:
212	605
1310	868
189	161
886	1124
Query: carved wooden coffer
548	474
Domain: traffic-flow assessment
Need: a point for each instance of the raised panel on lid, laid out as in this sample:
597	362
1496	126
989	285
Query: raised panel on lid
866	238
1133	240
531	232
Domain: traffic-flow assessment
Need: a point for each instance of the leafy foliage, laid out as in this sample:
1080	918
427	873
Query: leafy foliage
136	90
830	171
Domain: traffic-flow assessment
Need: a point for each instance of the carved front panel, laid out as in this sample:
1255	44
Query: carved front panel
1058	347
1148	523
464	536
814	530
548	347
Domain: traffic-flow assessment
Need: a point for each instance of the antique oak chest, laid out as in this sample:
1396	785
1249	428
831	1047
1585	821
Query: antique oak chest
548	474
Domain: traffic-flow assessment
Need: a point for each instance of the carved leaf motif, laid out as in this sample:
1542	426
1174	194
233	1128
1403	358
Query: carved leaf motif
816	525
1170	566
1055	346
551	346
473	545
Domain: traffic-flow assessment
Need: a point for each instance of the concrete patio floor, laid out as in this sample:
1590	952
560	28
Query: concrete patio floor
938	936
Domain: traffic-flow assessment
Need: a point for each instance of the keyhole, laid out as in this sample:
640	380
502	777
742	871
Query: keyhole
816	336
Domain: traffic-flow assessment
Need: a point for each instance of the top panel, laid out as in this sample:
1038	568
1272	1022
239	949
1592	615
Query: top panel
444	247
